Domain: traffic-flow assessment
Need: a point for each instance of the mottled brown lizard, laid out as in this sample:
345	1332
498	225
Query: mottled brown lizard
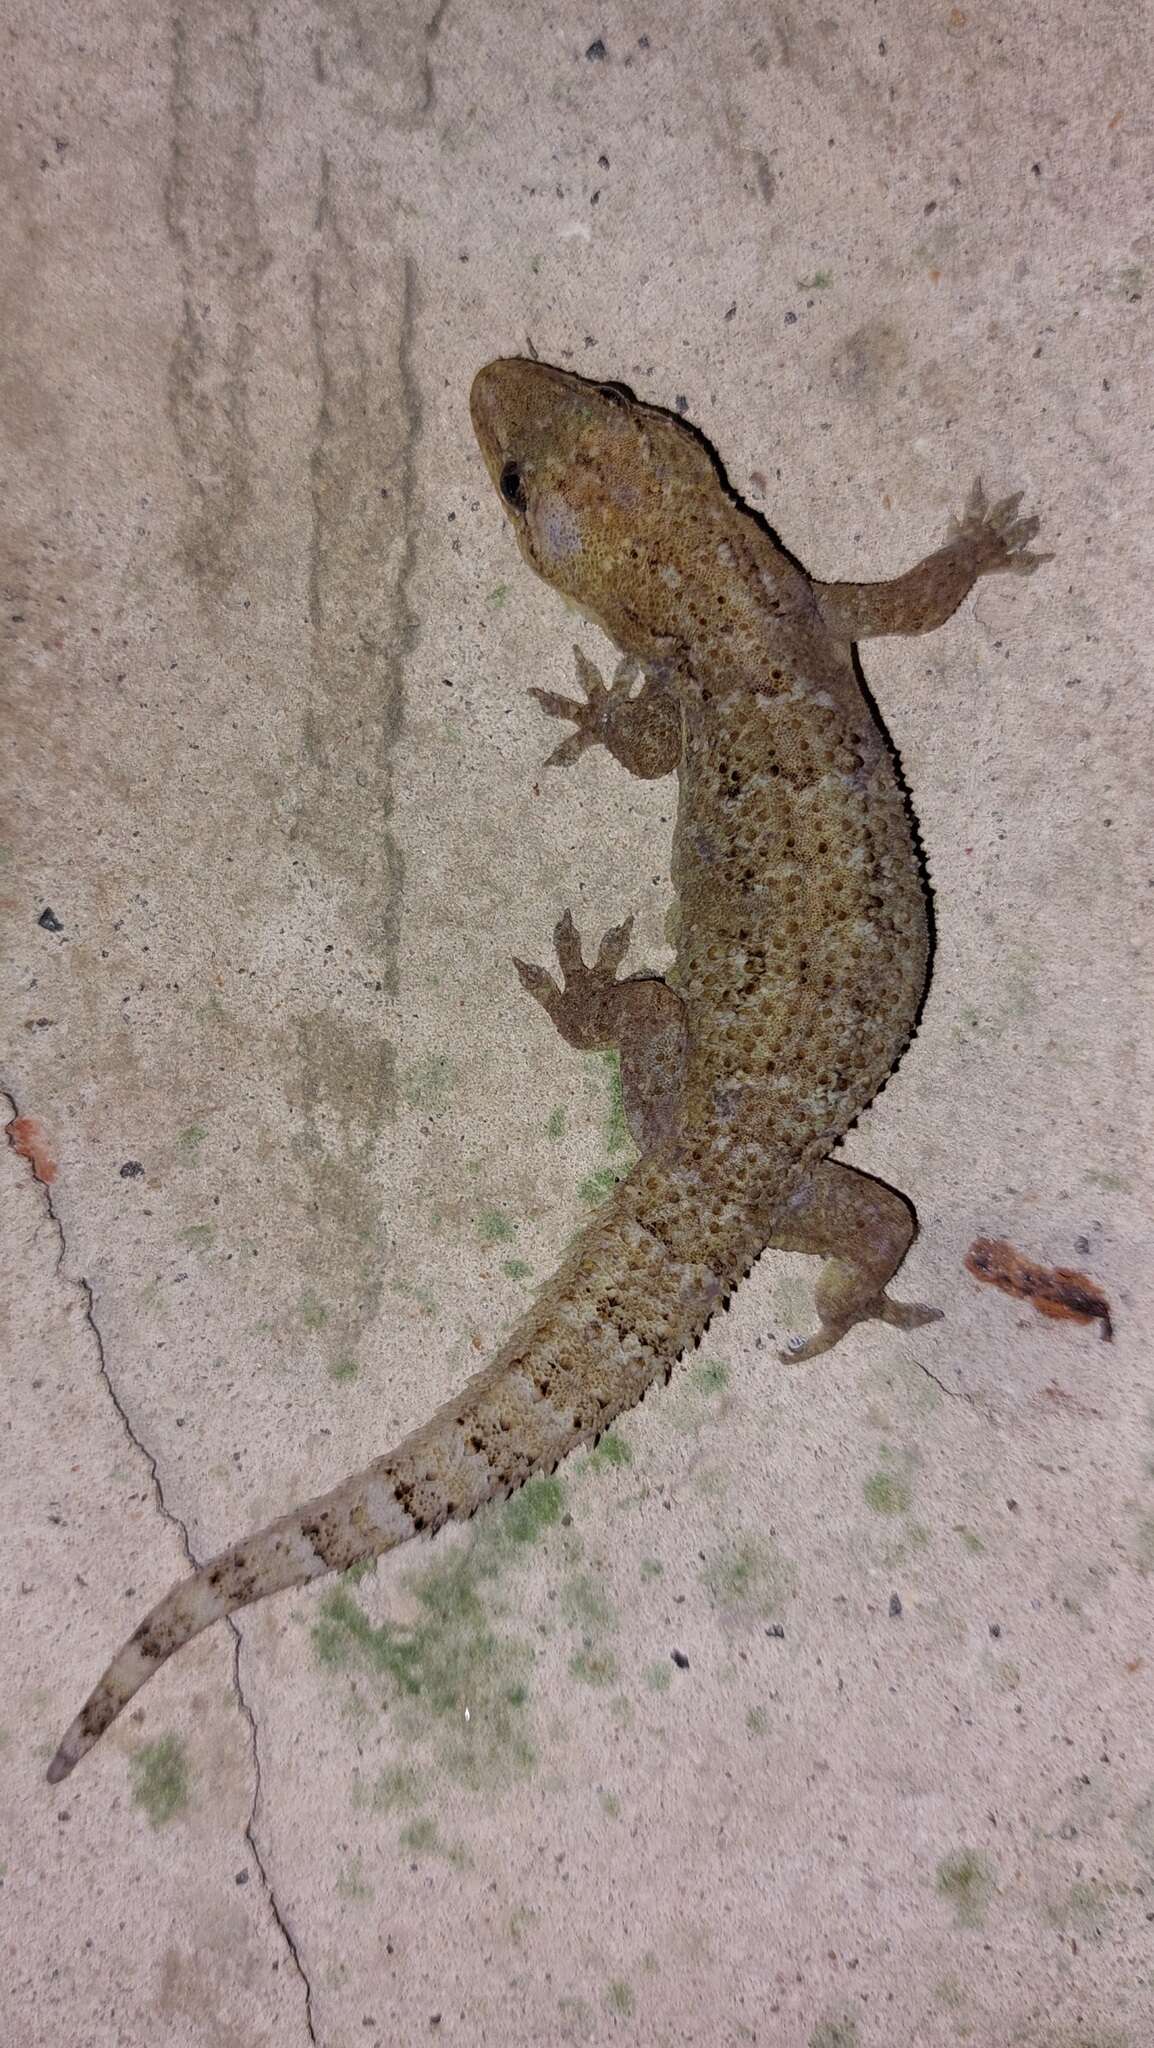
801	956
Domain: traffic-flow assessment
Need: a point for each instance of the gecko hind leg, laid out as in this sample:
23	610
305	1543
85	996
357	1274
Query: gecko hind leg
863	1229
641	1018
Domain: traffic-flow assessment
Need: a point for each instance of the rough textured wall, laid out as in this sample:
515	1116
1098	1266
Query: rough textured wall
291	1145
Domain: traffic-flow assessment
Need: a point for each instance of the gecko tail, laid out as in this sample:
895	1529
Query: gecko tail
547	1390
359	1519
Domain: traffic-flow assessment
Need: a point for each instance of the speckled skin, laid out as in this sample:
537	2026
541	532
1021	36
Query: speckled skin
800	964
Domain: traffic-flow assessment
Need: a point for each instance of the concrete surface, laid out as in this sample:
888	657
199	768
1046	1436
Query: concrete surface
293	1144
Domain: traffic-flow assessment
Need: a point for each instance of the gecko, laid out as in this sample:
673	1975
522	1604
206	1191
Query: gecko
801	941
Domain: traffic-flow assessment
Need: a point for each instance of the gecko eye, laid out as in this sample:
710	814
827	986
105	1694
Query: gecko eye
511	487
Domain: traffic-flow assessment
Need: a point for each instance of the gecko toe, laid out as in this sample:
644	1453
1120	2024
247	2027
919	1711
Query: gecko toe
536	980
613	948
907	1315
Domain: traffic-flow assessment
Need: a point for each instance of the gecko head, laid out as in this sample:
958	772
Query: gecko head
600	489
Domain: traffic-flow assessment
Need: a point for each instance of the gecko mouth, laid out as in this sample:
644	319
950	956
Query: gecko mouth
492	407
510	397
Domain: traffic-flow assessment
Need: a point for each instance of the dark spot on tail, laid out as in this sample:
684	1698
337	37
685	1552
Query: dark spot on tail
404	1493
326	1542
96	1717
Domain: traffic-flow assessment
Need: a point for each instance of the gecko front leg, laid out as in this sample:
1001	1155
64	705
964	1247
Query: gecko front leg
641	1018
988	540
643	732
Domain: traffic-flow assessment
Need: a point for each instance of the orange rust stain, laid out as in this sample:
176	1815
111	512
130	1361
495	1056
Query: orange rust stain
29	1139
1056	1291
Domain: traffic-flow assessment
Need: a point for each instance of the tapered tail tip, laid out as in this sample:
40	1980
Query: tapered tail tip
65	1761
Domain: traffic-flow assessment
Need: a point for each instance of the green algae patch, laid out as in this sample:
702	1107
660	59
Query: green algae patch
612	1451
408	1290
422	1837
160	1779
617	1135
343	1369
585	1606
312	1311
516	1269
948	1992
448	1675
596	1667
698	1396
395	1790
453	1677
619	1998
1083	1910
494	1227
351	1883
575	2019
597	1187
199	1237
427	1084
967	1881
539	1504
834	2033
749	1577
887	1493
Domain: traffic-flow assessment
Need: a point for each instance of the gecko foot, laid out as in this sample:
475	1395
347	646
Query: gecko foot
580	1008
591	717
902	1315
994	537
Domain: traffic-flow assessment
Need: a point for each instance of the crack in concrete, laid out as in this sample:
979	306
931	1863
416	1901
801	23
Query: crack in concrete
271	1899
87	1300
953	1393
